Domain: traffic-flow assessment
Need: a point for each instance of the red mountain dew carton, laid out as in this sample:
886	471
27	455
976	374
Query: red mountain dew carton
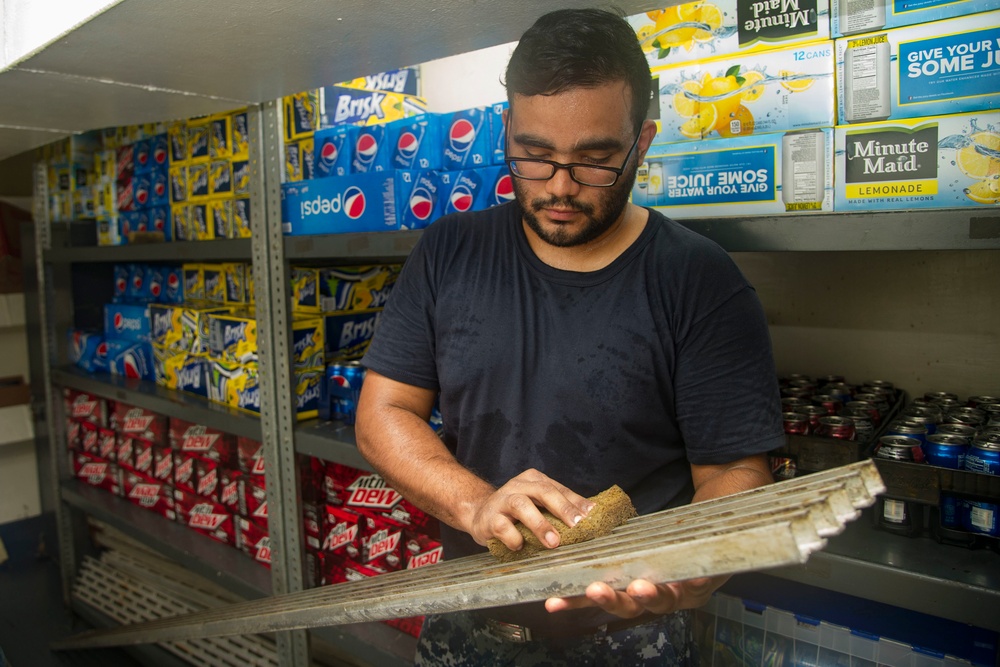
97	472
742	94
696	30
206	517
934	162
850	17
254	541
947	67
770	174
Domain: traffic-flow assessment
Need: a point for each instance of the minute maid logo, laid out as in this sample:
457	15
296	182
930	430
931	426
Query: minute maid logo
892	162
775	20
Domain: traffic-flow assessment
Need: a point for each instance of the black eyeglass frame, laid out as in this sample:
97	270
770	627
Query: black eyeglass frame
568	166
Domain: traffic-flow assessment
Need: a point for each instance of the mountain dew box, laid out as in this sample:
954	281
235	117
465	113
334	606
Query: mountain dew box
850	17
935	162
697	30
747	93
767	174
946	67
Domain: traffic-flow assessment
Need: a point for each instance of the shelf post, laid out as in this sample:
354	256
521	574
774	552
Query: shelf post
277	399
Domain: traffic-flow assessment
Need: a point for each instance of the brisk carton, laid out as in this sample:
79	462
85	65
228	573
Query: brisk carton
341	105
743	94
97	472
770	174
355	203
181	371
932	69
128	420
182	327
935	162
697	30
85	407
348	335
467	140
342	288
850	17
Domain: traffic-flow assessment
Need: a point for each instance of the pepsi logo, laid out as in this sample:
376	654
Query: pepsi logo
421	204
173	282
136	282
131	366
461	199
366	149
328	153
154	289
408	145
119	322
160	188
160	155
121	284
102	350
461	135
159	224
142	195
503	191
142	156
354	202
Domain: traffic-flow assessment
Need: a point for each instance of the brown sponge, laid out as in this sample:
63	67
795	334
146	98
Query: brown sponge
612	508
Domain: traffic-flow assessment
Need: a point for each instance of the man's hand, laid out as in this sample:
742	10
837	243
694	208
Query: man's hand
642	596
518	501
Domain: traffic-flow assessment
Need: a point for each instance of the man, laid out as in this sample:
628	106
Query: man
577	341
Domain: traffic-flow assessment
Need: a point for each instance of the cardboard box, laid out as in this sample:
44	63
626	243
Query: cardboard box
14	391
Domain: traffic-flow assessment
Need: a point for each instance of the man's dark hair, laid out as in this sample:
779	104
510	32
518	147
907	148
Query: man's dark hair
580	48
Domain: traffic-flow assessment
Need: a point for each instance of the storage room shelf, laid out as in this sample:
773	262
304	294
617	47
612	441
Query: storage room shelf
912	573
146	654
381	645
947	229
330	441
380	246
148	395
924	483
181	251
217	562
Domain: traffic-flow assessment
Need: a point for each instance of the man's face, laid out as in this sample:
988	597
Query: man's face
586	125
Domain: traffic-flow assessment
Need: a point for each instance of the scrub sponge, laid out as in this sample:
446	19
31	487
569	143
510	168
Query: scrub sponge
612	508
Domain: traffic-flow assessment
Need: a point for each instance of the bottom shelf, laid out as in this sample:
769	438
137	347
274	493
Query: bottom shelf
377	643
147	654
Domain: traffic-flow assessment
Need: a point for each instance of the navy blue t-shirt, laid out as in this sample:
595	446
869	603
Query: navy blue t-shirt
625	375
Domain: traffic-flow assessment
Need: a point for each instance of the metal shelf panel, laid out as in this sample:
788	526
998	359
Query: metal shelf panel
181	251
147	395
376	643
215	561
911	573
330	441
146	654
946	229
350	247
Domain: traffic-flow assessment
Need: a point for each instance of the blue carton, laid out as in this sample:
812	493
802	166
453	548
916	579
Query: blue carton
475	189
498	132
467	139
126	322
333	151
371	150
355	203
415	143
419	200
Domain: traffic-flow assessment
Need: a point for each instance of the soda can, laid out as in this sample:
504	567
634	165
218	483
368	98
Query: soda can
815	413
870	408
960	430
864	427
965	419
333	151
798	392
343	387
940	395
841	428
974	414
946	451
840	390
899	448
908	428
977	401
831	403
371	150
803	383
983	457
981	517
795	423
792	403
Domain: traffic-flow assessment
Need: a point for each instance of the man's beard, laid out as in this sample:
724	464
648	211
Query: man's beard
599	219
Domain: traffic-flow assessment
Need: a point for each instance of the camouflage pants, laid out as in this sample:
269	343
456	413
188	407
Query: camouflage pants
462	640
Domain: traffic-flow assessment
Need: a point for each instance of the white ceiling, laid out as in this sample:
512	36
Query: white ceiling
150	60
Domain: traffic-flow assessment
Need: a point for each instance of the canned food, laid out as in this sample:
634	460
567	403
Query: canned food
922	416
946	451
879	400
841	428
983	457
987	439
795	423
791	403
964	419
814	413
947	404
900	448
831	403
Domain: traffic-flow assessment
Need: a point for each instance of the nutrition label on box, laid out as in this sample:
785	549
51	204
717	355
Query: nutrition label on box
867	79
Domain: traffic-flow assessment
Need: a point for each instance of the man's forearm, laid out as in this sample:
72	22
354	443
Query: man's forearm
739	476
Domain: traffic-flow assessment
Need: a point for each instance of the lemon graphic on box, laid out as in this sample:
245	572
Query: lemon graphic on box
680	26
976	162
718	103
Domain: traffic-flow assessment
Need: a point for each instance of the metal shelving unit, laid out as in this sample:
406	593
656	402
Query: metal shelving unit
374	247
182	251
331	441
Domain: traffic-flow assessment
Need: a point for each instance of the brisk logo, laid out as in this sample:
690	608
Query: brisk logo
372	491
362	107
354	331
235	333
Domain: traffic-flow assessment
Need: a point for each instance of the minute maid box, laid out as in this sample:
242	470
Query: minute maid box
703	29
937	162
932	69
850	17
747	93
758	175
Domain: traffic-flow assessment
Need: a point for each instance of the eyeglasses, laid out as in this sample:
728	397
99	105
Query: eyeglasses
531	169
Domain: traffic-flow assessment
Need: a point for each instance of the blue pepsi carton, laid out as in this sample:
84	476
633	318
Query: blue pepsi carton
126	322
82	347
121	273
137	289
415	142
371	150
159	187
159	151
142	157
130	358
498	133
159	221
142	186
475	189
418	198
466	139
355	203
333	151
173	285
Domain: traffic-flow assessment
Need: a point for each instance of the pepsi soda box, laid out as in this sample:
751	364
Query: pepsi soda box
121	274
419	198
159	151
333	151
372	150
159	221
130	358
498	133
142	156
475	189
415	143
355	203
82	347
127	322
173	285
466	139
159	187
